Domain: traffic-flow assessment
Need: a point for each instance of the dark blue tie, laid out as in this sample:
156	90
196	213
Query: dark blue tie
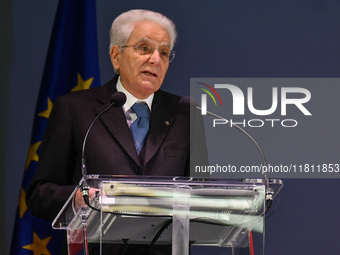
139	128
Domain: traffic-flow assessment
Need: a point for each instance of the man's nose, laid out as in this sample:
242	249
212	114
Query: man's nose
155	57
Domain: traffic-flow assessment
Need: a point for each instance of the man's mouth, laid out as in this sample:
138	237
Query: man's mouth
149	73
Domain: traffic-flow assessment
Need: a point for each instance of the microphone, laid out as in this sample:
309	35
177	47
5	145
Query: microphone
189	104
117	99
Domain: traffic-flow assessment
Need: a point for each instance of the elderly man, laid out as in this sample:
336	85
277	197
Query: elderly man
140	49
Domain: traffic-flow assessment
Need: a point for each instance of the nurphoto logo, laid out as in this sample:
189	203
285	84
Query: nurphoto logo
301	97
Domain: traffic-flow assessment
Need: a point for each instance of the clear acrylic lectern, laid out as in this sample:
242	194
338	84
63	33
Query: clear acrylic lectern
175	211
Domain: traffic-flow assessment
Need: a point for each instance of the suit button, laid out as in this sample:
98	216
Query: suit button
138	171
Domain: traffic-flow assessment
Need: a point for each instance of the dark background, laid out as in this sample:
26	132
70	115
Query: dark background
216	39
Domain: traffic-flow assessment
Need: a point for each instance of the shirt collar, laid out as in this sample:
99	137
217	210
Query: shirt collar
131	99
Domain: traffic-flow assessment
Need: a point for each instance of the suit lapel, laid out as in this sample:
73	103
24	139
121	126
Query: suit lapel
160	124
115	122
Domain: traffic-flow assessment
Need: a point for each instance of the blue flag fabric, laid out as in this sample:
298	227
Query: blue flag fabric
71	64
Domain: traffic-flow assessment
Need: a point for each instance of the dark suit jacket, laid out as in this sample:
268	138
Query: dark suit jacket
109	148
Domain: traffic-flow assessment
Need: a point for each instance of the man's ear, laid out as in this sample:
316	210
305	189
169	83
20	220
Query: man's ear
115	56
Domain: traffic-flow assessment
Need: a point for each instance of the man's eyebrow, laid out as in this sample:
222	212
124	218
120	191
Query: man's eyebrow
145	39
165	44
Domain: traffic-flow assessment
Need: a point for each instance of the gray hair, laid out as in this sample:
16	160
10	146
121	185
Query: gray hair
124	24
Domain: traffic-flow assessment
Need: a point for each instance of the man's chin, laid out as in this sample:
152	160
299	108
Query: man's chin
149	88
144	92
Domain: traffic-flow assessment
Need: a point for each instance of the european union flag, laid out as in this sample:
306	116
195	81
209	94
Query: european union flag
71	64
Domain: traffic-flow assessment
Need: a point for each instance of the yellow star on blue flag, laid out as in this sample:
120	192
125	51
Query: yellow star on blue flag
22	204
32	154
39	246
82	84
47	112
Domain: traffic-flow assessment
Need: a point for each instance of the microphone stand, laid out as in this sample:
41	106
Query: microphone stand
269	192
118	99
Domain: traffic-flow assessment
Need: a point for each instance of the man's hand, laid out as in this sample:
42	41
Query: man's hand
79	200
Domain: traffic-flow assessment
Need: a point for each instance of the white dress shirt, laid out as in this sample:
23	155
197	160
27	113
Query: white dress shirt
130	115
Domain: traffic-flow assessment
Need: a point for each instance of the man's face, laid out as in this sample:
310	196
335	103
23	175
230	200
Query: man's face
142	75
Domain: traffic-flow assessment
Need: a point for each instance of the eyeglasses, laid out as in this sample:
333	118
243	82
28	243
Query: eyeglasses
165	53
